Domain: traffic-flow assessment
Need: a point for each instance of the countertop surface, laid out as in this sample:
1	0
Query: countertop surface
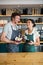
33	58
21	42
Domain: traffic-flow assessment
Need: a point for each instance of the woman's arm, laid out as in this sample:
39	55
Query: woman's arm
37	43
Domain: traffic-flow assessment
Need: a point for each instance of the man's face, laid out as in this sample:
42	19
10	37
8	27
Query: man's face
16	19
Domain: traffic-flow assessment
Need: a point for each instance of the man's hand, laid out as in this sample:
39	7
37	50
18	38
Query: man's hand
16	42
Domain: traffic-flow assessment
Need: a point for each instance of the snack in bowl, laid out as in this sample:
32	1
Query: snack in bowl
28	40
18	39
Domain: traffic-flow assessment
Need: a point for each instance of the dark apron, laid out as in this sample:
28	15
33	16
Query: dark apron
27	47
13	47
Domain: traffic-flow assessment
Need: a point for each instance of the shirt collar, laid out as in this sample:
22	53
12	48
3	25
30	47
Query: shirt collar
14	27
31	32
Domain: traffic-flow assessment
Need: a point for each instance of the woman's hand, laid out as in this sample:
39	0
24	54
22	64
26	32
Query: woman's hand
31	43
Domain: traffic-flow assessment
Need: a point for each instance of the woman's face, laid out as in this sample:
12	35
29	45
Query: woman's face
29	24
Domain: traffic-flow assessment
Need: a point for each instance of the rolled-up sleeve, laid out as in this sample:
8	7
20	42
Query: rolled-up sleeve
37	34
6	28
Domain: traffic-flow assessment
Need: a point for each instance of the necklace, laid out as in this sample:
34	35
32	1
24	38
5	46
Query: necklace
30	31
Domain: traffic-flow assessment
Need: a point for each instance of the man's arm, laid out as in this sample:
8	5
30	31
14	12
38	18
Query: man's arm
6	40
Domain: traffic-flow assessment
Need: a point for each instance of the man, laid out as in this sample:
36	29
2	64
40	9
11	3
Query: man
9	33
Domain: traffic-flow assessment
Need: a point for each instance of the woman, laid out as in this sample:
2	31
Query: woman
31	36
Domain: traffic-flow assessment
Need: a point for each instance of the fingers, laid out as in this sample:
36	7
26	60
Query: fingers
31	43
17	42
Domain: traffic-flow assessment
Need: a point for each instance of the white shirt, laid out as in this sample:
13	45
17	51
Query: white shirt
8	30
35	32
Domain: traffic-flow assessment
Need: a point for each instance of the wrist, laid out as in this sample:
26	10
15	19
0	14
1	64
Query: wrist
11	41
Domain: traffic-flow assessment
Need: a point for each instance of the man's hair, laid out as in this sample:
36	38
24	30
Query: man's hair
14	15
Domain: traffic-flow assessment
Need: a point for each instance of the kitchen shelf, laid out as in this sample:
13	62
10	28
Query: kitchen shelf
25	23
26	15
1	25
38	23
4	15
33	15
20	24
41	41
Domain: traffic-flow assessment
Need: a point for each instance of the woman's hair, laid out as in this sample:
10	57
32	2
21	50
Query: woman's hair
14	15
33	22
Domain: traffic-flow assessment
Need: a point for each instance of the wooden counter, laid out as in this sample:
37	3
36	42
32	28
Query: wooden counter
21	42
35	58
